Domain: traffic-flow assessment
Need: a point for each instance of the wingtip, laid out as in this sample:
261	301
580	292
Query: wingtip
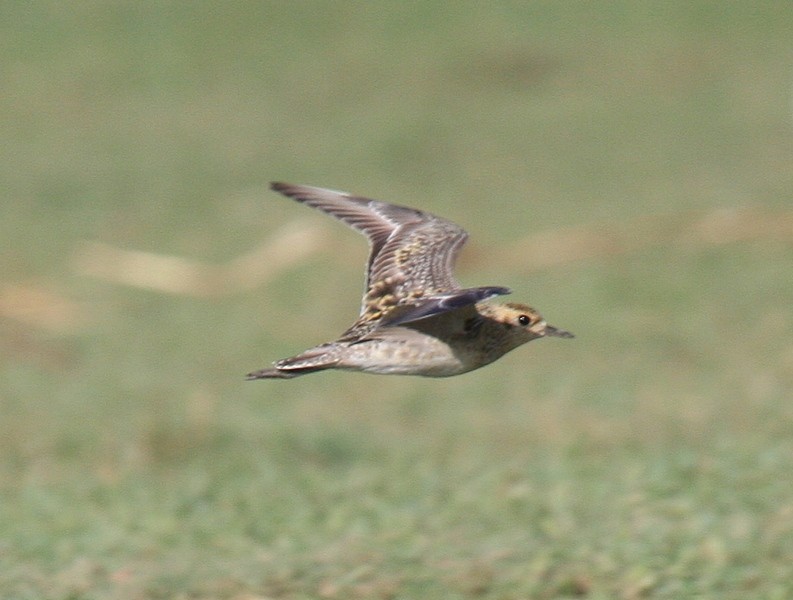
290	190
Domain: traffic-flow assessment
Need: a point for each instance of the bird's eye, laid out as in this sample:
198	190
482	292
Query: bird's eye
524	320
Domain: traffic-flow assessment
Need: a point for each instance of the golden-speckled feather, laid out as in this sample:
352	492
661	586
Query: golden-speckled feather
411	257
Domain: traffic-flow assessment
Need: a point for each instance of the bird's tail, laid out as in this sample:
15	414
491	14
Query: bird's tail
275	373
310	361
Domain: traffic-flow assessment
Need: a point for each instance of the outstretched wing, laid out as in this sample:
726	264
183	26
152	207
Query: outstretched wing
411	255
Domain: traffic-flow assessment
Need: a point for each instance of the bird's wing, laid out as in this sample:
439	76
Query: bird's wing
411	254
430	306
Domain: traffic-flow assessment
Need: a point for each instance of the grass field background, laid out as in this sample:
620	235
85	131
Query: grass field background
626	168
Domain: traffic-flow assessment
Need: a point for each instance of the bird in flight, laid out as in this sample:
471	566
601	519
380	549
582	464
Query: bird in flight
415	318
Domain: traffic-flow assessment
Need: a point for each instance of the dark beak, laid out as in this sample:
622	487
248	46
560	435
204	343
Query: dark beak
554	332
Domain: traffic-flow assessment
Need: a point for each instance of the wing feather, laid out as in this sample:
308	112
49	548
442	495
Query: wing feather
412	252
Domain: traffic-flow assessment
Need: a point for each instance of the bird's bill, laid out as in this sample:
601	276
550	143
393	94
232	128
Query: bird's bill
554	332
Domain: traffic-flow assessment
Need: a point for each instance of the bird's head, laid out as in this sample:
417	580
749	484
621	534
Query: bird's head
521	323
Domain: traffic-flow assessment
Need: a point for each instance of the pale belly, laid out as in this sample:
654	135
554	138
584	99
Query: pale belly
422	355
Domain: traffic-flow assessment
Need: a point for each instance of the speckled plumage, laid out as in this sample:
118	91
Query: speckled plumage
415	319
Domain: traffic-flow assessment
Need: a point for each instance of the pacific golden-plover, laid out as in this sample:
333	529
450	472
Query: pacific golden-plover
415	318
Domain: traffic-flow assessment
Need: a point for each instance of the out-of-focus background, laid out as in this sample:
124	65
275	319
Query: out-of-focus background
626	168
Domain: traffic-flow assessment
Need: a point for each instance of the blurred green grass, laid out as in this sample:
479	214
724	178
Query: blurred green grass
649	458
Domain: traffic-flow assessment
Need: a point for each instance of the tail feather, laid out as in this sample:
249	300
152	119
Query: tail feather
310	361
275	373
